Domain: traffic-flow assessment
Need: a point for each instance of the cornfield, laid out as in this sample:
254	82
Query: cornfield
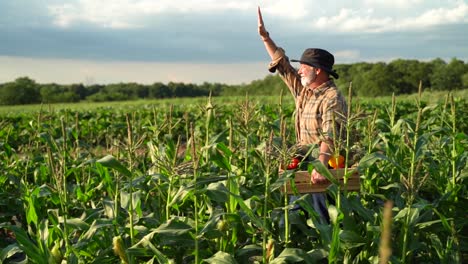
199	183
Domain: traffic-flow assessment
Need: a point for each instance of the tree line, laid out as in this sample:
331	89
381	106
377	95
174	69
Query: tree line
26	91
368	79
403	76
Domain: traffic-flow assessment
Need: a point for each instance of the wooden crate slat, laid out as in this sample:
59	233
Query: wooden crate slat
304	185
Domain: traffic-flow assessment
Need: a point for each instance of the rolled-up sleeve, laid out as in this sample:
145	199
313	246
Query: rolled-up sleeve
280	62
277	57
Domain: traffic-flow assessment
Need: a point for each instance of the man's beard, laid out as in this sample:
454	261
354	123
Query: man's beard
307	80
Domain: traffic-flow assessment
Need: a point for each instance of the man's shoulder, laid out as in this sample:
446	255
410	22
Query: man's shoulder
331	90
333	94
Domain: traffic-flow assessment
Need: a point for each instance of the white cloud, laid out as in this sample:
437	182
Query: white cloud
352	20
349	20
458	14
128	13
106	13
64	14
289	9
342	16
402	4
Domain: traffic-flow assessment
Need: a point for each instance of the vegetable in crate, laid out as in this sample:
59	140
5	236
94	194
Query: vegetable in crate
294	164
336	161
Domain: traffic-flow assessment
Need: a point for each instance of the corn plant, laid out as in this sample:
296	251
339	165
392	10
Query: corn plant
171	182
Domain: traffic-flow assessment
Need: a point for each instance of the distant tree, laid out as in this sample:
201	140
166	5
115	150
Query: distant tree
408	74
437	63
159	90
456	68
139	90
345	77
55	93
185	90
464	79
93	89
355	74
270	85
214	88
22	91
448	76
48	91
66	97
119	90
274	85
381	80
79	90
173	86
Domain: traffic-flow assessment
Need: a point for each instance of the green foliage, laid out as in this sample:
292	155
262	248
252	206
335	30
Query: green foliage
54	93
270	85
401	76
449	76
408	75
22	91
197	182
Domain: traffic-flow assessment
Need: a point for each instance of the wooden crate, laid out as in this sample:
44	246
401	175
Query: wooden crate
304	184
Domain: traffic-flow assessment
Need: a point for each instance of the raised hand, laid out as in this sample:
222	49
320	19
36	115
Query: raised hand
261	27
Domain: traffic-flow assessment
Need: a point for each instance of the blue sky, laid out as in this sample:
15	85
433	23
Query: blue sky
147	41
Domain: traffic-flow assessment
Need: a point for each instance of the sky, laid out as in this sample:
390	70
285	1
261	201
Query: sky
216	41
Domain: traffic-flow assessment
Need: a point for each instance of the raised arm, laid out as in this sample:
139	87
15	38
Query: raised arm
269	44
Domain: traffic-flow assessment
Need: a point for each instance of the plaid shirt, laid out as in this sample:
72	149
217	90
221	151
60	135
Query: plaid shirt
315	108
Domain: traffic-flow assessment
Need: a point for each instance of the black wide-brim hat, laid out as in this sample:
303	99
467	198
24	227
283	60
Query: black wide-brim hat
319	58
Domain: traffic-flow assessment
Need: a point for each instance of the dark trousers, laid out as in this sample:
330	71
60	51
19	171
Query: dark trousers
316	200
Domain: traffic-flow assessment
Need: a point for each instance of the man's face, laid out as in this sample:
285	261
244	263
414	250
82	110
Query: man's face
308	74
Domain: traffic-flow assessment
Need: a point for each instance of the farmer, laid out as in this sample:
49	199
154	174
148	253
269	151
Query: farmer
320	112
